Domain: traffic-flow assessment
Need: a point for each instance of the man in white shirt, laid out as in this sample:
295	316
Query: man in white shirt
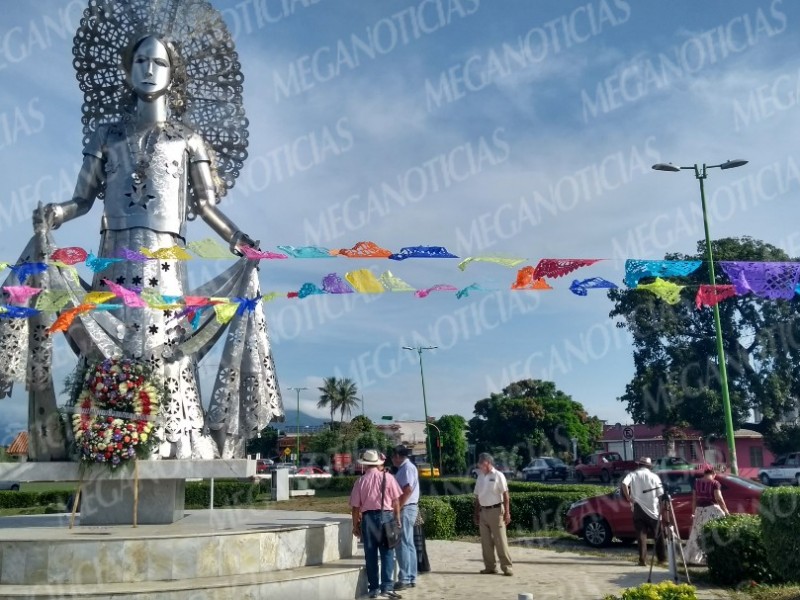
492	515
643	489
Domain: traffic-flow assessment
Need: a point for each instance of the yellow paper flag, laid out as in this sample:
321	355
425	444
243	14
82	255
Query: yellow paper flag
364	282
394	284
209	248
98	297
173	253
500	260
225	312
666	290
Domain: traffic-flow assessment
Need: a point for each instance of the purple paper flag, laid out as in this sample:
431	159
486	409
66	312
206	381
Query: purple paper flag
773	280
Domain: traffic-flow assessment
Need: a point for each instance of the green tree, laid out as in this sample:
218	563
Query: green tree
359	434
785	439
676	377
452	443
347	397
533	416
330	395
266	444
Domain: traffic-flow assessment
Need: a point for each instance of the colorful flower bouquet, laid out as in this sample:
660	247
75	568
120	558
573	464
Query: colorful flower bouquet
114	412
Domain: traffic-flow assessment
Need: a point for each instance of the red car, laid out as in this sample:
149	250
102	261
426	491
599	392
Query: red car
599	519
312	472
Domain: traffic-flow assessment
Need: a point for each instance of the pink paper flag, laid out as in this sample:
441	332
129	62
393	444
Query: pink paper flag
20	294
253	254
440	287
130	298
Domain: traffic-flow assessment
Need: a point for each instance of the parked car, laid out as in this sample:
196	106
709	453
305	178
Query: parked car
9	485
785	469
672	463
263	465
509	473
600	518
544	468
315	472
424	470
604	466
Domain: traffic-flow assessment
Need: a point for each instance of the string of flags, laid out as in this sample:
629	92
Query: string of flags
770	280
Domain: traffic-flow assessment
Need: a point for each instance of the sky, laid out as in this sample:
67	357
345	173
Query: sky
519	129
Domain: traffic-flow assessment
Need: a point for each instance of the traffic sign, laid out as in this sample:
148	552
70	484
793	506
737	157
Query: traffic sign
287	451
627	433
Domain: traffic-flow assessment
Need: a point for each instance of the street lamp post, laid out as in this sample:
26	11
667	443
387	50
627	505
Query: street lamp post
419	350
439	431
297	433
700	173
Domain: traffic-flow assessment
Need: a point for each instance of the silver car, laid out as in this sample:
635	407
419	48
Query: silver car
9	485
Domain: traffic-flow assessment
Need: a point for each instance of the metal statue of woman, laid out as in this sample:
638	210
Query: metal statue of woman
165	136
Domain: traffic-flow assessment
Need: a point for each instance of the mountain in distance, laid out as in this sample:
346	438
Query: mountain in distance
305	420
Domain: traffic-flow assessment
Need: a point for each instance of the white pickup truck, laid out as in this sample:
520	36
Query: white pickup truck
786	468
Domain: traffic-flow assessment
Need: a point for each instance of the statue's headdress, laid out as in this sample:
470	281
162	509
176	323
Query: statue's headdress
208	88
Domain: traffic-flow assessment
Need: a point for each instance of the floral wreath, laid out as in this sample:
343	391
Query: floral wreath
117	401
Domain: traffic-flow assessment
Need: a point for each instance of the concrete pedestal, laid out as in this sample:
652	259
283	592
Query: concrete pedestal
280	484
107	496
110	502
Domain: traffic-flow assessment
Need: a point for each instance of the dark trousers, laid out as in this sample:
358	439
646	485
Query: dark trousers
646	526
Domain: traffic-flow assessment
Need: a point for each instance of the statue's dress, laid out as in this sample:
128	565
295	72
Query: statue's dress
147	201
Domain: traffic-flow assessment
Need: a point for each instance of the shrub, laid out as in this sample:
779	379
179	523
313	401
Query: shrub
27	499
464	508
439	517
780	526
340	483
534	511
735	550
666	590
530	511
226	493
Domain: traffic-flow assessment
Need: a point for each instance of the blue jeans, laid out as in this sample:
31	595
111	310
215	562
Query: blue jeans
371	536
407	551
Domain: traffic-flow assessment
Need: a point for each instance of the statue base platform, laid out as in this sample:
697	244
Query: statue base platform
107	496
210	554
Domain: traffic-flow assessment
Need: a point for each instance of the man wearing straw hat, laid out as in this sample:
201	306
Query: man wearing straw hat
643	489
374	501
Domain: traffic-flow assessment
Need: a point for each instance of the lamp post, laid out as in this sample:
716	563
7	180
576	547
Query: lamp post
441	471
297	433
700	173
419	350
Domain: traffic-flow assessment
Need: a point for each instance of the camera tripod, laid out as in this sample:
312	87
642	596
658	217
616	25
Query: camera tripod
668	527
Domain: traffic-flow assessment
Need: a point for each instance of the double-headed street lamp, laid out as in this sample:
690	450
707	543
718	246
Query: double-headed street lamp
419	350
700	173
297	433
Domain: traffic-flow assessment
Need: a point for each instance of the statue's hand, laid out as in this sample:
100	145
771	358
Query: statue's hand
240	239
47	217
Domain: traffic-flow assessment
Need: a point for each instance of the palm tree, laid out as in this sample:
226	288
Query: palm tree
330	395
347	397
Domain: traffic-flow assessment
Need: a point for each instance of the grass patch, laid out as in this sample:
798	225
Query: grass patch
768	592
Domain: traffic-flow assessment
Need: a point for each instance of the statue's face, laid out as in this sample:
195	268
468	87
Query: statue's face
150	69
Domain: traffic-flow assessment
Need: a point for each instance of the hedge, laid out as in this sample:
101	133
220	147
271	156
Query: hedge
226	493
780	526
735	550
10	499
530	511
454	486
439	518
